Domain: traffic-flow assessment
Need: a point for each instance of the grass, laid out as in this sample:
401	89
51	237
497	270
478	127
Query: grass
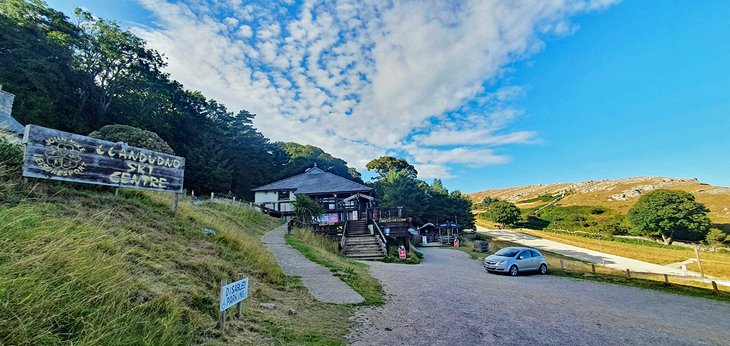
81	266
323	251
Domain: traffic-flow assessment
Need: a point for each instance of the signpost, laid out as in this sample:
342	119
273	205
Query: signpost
232	294
402	252
57	155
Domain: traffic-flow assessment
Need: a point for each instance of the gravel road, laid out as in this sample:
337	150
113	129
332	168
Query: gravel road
450	300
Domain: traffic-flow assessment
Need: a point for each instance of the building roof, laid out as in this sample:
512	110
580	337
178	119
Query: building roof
315	181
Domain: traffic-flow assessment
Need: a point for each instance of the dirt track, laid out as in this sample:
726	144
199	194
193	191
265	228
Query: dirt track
450	300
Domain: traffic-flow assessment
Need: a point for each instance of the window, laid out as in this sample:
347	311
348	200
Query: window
525	254
535	253
283	195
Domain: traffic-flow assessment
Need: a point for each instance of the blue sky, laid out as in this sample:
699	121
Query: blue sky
484	94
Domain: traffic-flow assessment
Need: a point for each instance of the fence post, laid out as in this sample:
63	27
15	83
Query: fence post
628	273
239	306
699	262
714	287
593	268
561	265
222	314
174	202
212	196
666	279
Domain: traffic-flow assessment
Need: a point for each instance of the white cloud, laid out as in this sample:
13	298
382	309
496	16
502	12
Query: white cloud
365	78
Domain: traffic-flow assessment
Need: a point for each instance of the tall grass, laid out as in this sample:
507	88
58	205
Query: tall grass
81	266
60	281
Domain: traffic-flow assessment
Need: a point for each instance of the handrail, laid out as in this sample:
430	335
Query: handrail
343	240
381	239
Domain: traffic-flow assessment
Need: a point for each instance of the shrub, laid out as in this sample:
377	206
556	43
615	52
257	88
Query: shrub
133	136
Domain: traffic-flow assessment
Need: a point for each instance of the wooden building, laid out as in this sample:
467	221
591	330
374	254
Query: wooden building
348	209
341	198
440	234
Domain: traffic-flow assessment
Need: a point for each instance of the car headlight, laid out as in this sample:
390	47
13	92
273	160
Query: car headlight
500	263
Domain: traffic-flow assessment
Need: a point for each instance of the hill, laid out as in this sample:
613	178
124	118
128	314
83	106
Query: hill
619	195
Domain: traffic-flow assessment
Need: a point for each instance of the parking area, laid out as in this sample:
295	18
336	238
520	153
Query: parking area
450	299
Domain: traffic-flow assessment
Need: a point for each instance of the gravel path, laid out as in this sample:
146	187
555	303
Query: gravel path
319	280
450	299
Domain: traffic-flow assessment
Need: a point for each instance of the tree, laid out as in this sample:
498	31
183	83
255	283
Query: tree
669	213
385	164
715	238
133	136
502	212
306	209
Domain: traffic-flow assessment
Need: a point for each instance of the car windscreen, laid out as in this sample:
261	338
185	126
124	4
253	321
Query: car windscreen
507	252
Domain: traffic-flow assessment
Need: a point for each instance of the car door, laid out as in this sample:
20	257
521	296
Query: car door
537	259
524	260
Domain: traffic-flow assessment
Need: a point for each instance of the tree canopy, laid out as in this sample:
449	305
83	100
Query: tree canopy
301	157
424	202
669	214
80	75
385	164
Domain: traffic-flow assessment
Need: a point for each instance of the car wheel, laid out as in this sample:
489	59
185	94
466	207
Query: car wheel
543	269
513	270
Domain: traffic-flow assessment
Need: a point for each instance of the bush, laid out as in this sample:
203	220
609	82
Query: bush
133	136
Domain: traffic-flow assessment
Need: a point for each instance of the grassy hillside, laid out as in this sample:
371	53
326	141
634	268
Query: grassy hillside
616	195
81	266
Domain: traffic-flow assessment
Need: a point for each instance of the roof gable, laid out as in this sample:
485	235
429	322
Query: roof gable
314	181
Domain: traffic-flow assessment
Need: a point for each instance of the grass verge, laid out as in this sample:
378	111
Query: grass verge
323	251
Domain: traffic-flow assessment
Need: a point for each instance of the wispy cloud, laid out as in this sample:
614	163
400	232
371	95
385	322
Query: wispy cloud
361	79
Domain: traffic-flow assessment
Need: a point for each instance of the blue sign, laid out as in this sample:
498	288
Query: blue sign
234	293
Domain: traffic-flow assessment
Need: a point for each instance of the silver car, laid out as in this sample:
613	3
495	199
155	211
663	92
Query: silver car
514	260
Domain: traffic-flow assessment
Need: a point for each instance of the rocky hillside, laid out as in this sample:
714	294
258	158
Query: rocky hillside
618	194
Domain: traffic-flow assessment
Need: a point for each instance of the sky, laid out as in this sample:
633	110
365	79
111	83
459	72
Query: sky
484	94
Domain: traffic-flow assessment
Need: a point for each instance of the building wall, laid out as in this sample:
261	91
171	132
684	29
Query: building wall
6	102
270	199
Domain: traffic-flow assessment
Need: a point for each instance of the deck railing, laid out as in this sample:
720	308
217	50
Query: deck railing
381	238
343	240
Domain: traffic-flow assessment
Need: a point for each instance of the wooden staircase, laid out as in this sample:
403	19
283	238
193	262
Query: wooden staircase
359	243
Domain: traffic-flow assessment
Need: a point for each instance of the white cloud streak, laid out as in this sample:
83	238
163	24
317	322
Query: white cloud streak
361	79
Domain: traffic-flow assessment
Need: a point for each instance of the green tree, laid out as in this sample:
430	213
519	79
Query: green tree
133	136
502	212
385	164
306	209
715	238
669	213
